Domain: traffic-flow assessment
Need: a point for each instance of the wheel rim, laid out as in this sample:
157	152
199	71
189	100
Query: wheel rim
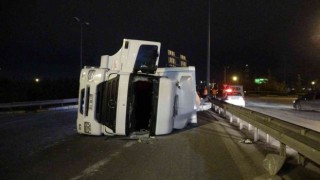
298	107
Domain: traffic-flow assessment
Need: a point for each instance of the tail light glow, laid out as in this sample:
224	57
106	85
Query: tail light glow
228	90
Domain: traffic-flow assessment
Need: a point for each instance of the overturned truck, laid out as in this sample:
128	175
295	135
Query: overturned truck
128	93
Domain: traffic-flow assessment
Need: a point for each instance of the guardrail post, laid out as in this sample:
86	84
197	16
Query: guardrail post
231	118
240	124
301	159
283	149
269	119
256	134
275	129
216	108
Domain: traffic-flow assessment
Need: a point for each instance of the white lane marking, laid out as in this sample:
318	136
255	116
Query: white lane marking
95	167
89	171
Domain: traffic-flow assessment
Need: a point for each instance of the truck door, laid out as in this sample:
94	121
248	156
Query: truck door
142	104
106	107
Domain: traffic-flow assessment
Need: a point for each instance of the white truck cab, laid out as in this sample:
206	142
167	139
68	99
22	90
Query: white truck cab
128	93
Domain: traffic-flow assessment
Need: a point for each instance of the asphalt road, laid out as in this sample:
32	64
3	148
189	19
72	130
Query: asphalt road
24	135
45	145
281	107
207	151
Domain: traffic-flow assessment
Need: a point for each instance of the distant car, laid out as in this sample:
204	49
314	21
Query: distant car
309	101
234	98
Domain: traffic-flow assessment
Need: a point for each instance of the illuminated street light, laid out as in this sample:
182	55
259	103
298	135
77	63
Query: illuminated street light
81	36
313	83
235	78
37	80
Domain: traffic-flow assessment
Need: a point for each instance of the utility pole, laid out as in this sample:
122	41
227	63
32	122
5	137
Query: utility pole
225	74
208	56
81	23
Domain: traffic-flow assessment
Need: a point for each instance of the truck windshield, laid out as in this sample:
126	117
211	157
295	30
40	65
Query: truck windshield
146	59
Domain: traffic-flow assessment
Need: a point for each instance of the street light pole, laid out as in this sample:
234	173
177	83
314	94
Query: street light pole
225	74
81	36
208	56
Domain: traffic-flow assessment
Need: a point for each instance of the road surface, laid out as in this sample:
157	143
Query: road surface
281	107
45	145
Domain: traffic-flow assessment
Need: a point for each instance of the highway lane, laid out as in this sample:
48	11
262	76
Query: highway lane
281	107
45	145
23	135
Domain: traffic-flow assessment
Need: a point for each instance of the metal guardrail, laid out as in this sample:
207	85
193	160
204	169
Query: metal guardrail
38	103
303	140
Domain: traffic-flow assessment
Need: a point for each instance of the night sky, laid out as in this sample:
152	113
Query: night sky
282	37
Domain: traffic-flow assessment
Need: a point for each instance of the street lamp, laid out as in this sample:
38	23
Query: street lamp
81	34
235	78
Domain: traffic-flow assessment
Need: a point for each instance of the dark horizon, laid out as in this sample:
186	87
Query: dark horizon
41	38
